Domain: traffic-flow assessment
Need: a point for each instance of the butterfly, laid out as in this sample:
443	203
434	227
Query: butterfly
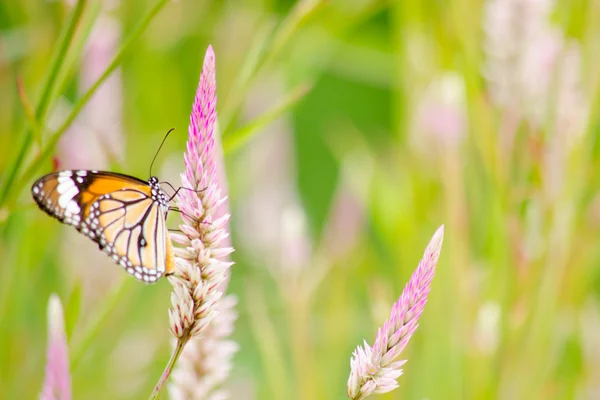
124	215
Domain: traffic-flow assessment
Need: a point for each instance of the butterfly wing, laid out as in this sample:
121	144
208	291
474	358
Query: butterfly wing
124	215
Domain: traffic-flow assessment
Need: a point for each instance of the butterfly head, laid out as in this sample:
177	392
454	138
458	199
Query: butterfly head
158	194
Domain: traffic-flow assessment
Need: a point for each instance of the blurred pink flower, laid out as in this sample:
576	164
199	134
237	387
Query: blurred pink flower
104	112
57	384
344	222
97	134
282	244
513	29
534	75
441	115
375	369
531	70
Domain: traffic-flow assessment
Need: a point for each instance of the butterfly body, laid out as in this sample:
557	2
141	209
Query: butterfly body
124	215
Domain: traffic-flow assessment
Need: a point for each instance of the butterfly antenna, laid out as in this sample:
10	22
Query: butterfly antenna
157	151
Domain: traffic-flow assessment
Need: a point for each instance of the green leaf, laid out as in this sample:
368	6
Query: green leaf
40	112
236	138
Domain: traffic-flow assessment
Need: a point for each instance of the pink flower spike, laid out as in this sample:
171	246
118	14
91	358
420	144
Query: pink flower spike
202	264
204	225
57	384
376	369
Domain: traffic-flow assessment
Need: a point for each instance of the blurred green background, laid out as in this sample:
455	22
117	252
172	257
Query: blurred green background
352	130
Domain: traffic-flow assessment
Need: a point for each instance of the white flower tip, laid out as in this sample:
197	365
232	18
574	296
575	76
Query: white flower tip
440	232
209	61
435	245
56	319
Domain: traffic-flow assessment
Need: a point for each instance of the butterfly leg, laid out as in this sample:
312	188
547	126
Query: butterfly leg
176	209
182	188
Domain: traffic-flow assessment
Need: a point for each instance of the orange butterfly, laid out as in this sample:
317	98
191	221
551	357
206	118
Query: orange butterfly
123	214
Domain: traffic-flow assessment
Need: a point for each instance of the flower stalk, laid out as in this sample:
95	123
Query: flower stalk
167	372
206	362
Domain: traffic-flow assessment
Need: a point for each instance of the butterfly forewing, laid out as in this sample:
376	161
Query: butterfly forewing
124	215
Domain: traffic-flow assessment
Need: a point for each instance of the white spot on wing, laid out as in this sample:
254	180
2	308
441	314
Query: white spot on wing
65	198
72	208
64	186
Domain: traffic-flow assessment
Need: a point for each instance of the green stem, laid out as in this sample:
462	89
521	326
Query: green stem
74	57
40	111
29	112
167	372
54	138
58	59
302	13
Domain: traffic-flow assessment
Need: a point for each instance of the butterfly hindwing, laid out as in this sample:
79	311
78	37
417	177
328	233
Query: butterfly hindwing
124	215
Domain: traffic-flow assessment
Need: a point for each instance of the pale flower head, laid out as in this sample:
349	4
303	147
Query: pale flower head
441	115
376	369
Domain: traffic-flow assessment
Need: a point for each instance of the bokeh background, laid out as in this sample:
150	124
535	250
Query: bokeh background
352	130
